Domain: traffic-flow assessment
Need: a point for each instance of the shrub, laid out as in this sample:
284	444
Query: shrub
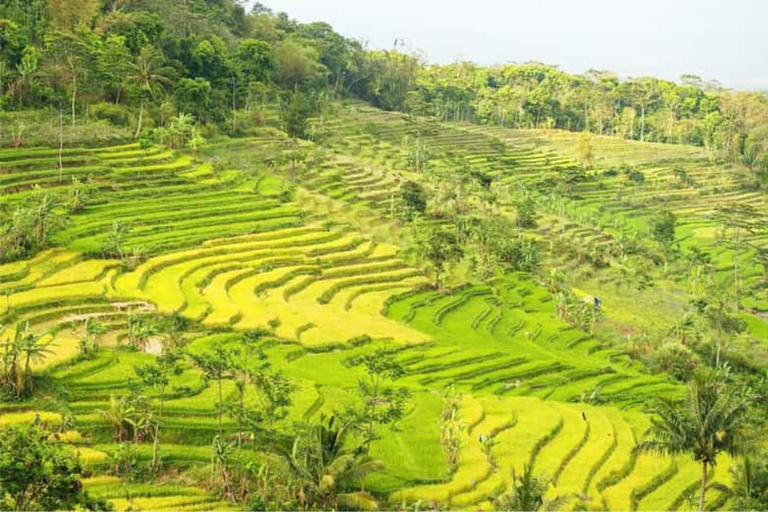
118	115
677	360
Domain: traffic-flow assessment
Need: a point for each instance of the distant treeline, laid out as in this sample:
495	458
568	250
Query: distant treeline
137	62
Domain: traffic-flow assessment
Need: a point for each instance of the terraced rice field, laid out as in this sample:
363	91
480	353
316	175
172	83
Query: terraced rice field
224	249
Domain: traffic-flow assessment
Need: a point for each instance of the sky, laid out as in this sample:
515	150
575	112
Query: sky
723	40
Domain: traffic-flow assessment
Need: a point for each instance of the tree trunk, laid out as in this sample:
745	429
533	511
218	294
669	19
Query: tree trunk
703	491
736	273
154	446
61	142
234	104
221	404
141	116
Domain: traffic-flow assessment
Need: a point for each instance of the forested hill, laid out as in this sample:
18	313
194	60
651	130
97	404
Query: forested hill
137	62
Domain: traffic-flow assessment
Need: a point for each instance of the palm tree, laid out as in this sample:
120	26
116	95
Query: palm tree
11	378
33	349
148	75
324	465
527	493
750	159
117	416
713	419
750	483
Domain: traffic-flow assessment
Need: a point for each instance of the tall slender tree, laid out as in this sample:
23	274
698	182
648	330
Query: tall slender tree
713	419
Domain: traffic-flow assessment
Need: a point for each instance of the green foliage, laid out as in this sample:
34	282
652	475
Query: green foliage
519	254
677	360
382	404
182	132
663	227
750	482
526	212
440	249
194	97
327	468
528	493
715	418
295	110
39	473
18	354
414	200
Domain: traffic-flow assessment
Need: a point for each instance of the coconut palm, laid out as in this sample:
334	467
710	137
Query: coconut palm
33	349
713	419
20	352
148	76
117	416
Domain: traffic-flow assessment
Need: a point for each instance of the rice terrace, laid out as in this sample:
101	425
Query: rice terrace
250	263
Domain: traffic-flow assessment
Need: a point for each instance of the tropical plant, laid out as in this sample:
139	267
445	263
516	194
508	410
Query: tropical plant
18	355
328	469
147	75
714	418
750	482
527	493
39	473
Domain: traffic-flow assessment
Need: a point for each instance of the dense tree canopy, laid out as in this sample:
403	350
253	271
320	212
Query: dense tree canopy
83	51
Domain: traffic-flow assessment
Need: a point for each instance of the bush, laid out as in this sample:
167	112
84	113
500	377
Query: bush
118	115
677	360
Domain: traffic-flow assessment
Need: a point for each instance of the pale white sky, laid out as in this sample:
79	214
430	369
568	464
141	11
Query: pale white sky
724	40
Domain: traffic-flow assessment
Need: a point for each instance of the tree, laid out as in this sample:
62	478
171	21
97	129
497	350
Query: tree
717	314
295	110
295	64
739	218
158	375
440	249
326	466
74	53
147	76
113	64
43	215
217	365
713	419
750	158
452	428
18	355
32	349
526	212
520	254
70	14
414	200
584	149
256	60
39	473
663	226
382	403
194	96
